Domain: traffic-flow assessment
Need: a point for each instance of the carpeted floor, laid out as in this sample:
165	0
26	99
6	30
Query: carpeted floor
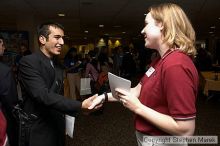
115	126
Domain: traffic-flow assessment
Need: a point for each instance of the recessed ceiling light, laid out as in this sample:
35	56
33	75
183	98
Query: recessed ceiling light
86	31
101	25
61	14
123	32
213	27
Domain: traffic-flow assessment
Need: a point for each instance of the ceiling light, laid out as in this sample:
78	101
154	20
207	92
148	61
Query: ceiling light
212	27
61	14
123	32
101	25
106	34
86	31
211	32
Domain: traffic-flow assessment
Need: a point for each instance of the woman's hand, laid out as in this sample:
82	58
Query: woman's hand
128	99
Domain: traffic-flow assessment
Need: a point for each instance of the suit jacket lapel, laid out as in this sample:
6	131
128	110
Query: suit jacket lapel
48	71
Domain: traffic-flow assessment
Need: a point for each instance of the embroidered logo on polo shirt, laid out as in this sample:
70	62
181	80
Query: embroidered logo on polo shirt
150	71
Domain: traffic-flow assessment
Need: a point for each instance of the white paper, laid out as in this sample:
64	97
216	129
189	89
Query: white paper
118	82
70	121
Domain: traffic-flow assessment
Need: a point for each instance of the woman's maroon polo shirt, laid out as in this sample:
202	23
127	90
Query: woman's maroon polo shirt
171	89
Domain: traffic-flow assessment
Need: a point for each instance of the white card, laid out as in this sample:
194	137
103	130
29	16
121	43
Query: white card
70	121
118	82
150	71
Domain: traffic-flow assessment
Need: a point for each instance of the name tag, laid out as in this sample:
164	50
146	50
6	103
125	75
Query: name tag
150	71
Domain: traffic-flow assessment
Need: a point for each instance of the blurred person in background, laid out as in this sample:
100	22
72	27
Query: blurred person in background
92	70
73	65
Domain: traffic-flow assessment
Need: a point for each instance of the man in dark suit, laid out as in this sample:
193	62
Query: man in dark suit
40	82
8	99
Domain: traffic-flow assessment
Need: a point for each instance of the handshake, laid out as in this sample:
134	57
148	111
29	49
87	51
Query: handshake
126	98
94	102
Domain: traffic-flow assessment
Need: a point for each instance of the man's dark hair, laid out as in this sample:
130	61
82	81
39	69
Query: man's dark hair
43	29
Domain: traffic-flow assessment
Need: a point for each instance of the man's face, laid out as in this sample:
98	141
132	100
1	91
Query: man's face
2	47
53	45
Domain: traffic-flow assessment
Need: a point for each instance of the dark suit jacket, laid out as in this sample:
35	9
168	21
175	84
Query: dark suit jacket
8	99
36	76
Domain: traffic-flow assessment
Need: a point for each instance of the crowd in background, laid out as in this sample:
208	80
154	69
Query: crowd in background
124	61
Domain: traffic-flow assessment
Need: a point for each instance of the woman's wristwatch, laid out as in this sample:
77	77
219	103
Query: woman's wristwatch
106	97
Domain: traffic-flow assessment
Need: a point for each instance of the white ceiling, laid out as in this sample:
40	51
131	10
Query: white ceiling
84	15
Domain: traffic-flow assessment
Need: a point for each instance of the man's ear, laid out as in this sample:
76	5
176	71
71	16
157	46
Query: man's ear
42	39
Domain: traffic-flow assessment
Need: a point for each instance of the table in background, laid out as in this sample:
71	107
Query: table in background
212	81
